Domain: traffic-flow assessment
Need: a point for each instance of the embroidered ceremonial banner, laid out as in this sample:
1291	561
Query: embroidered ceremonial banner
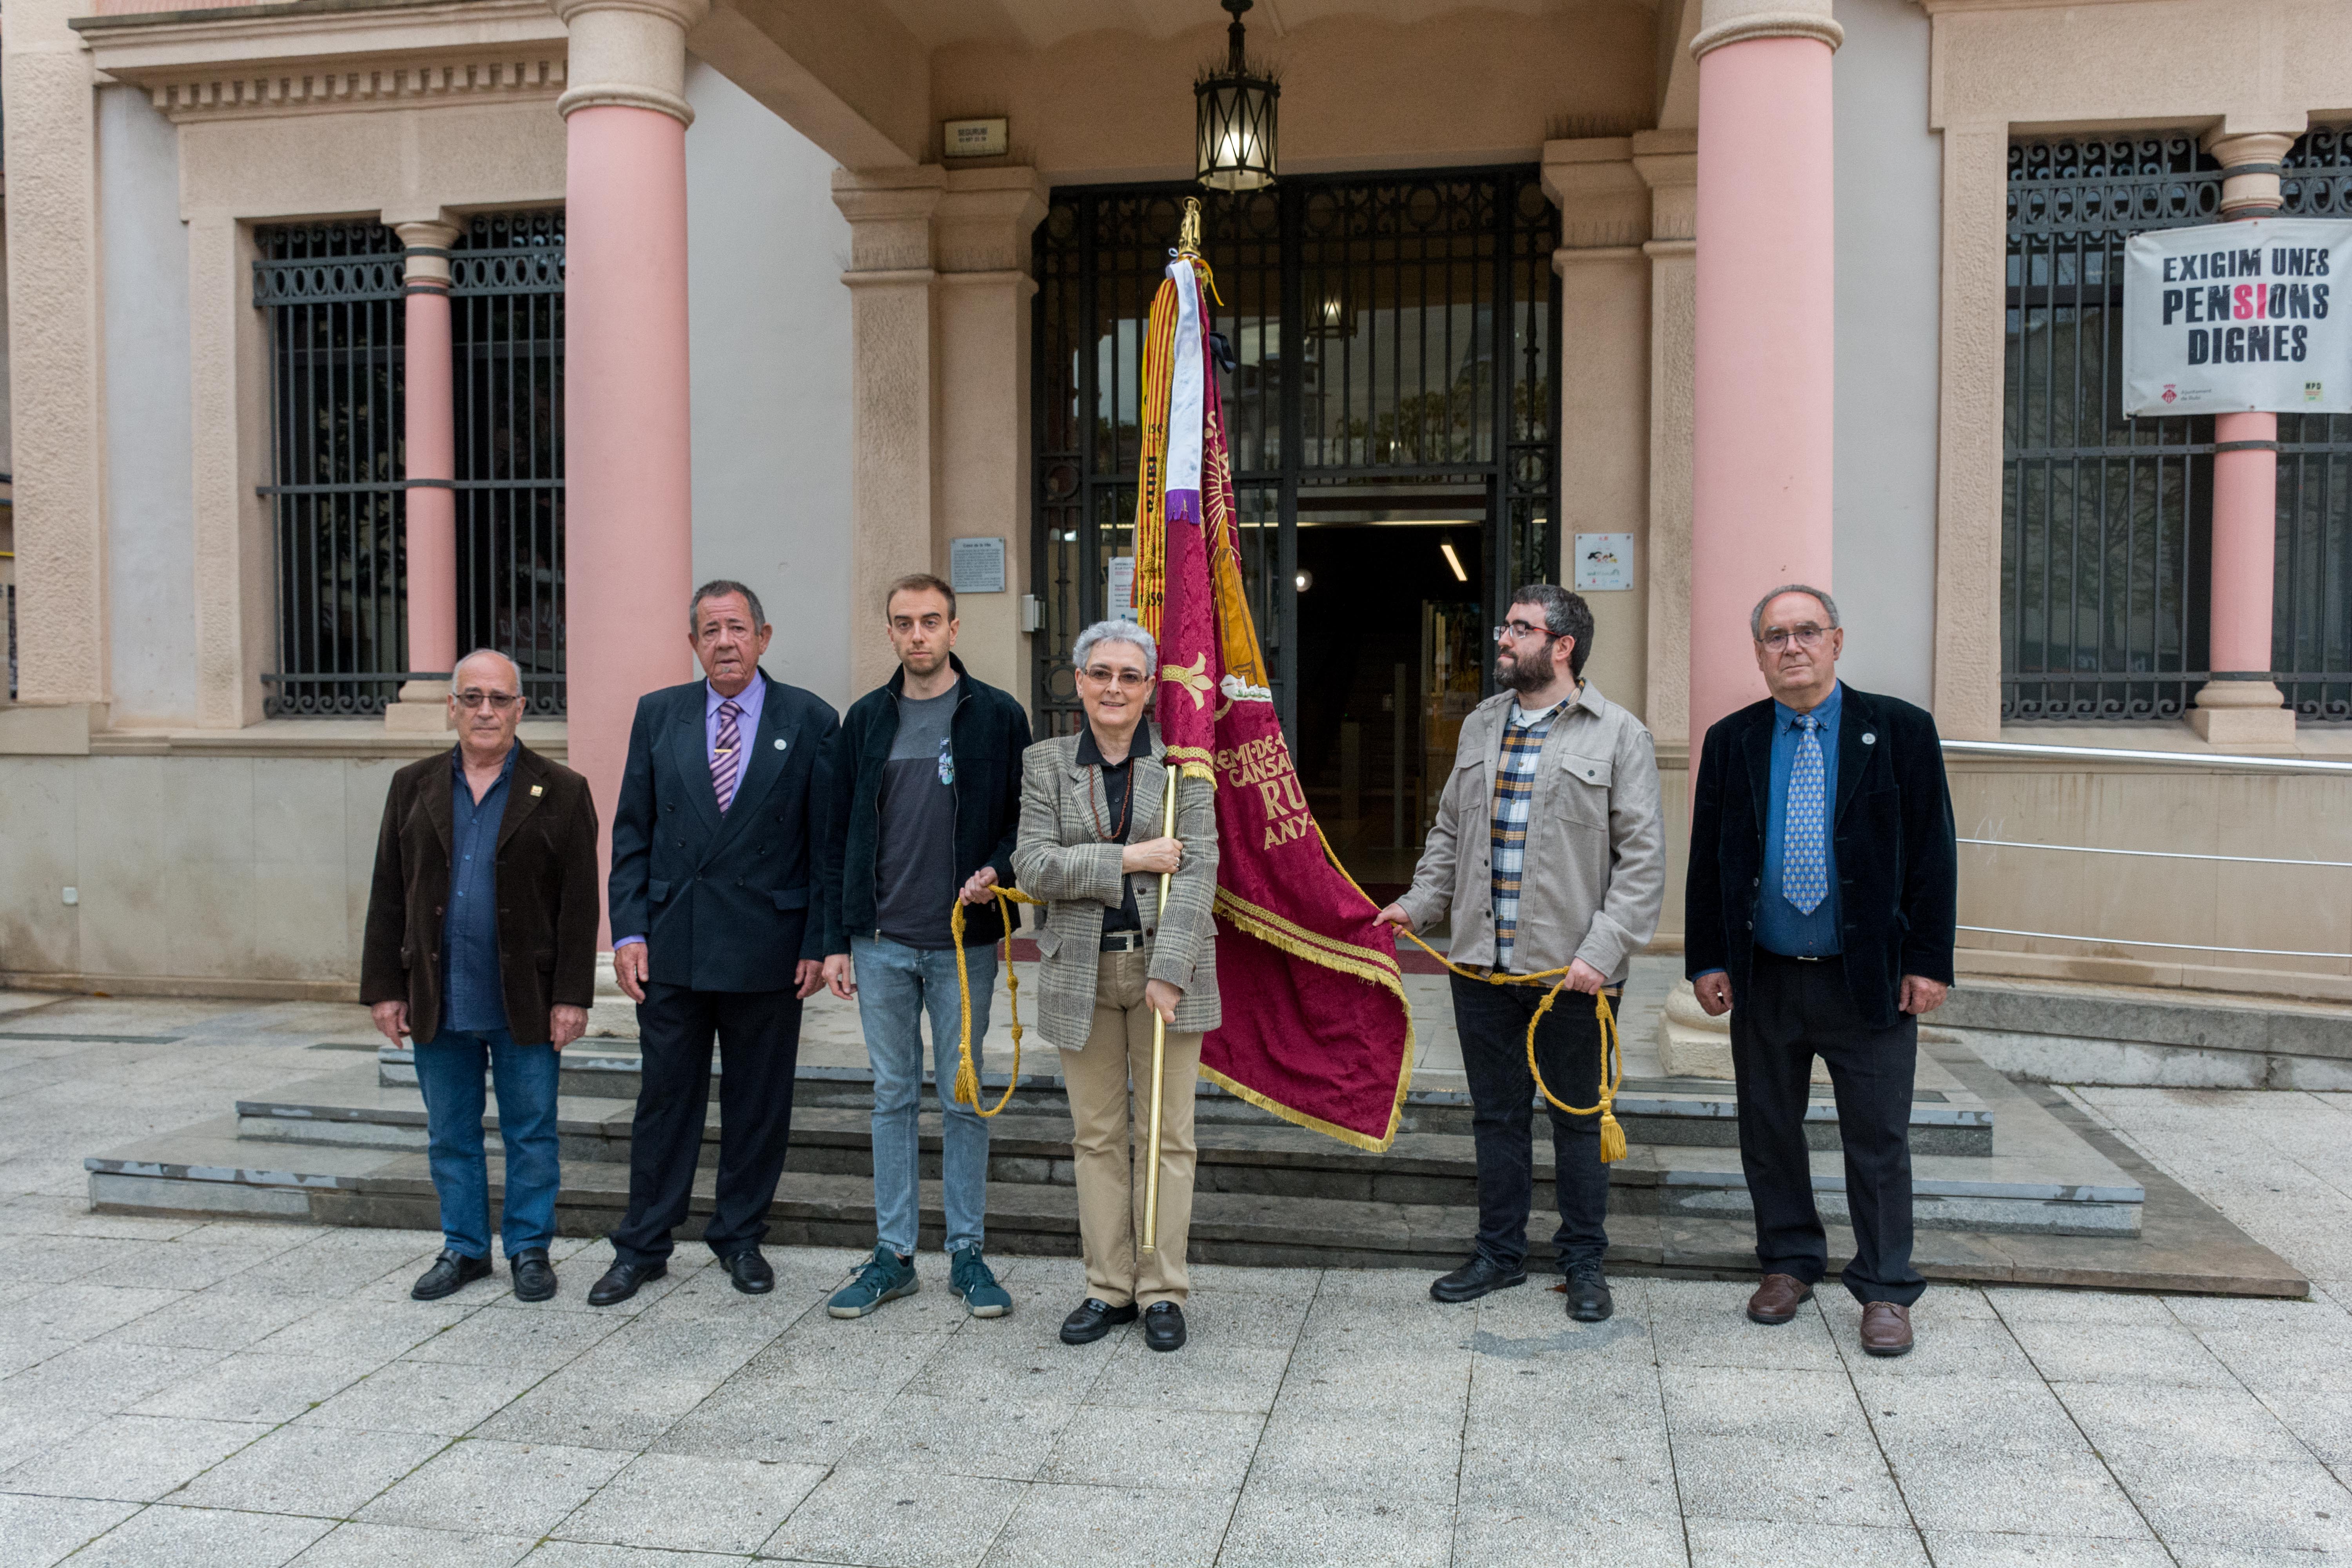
1317	1027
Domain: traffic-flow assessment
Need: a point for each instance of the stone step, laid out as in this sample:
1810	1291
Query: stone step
1947	1117
2038	1190
2058	1031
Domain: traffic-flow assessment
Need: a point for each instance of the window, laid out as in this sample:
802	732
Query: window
338	343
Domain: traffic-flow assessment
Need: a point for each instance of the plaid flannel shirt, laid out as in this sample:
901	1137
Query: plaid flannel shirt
1514	777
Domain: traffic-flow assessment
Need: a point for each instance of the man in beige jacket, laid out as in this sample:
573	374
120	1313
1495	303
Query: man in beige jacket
1549	854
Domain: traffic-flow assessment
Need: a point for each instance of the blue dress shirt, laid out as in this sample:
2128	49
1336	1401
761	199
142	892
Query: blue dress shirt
472	998
751	700
1780	926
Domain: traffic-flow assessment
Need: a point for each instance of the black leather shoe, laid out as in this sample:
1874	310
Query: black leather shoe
1163	1326
750	1272
1474	1278
534	1276
621	1282
450	1271
1093	1319
1589	1300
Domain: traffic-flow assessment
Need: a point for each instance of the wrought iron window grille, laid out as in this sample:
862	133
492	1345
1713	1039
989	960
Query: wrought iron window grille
333	297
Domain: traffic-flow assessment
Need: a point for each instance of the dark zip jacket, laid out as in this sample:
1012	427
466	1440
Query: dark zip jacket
989	733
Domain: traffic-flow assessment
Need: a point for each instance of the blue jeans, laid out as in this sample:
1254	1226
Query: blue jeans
896	985
449	1071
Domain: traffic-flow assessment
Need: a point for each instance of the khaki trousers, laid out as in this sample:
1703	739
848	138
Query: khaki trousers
1108	1144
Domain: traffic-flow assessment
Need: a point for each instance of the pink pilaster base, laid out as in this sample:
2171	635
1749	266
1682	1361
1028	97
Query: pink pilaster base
629	501
1765	352
2245	534
429	437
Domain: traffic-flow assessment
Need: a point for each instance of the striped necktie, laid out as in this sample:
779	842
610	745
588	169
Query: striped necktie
1805	864
727	755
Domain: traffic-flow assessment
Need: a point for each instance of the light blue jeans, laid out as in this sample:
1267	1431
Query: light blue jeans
896	985
449	1072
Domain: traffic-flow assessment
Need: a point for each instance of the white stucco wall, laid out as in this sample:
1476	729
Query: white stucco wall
1889	228
150	508
770	320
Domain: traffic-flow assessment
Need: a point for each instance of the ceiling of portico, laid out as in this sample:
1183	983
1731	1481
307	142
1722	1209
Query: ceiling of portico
1102	89
1042	24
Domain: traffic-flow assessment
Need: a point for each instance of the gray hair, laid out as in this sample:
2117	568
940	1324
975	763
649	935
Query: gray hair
459	667
1124	631
1756	616
719	588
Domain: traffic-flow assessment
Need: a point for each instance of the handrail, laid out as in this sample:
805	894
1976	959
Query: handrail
2124	754
2127	941
2157	854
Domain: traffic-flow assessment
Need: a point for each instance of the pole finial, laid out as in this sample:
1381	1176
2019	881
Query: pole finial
1188	237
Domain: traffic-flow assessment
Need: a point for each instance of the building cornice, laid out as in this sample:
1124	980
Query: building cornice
306	58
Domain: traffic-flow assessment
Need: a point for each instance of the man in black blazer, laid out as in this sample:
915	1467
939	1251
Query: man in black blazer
719	925
1823	885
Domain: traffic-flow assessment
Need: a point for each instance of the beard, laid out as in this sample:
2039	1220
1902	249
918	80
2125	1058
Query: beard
1518	672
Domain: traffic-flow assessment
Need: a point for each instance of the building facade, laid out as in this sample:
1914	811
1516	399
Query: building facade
345	337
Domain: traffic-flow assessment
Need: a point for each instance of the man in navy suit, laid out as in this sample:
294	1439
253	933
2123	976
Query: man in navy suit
719	926
1823	890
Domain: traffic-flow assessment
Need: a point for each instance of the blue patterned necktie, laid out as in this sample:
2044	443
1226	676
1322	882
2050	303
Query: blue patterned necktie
1804	858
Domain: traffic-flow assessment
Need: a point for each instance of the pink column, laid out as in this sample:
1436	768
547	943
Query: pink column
1765	347
2242	706
629	494
429	437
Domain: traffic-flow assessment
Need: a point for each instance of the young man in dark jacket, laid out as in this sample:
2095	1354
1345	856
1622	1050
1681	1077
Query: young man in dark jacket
927	803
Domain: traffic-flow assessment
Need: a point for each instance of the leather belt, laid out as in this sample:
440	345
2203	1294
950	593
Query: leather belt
1124	941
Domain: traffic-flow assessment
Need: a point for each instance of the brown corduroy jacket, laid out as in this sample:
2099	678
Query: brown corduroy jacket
546	887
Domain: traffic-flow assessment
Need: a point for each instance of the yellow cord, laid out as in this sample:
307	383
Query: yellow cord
967	1078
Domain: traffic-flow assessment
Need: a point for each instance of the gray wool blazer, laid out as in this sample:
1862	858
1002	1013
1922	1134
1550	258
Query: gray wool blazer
1060	858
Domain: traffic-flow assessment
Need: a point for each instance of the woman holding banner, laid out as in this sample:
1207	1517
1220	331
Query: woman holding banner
1127	950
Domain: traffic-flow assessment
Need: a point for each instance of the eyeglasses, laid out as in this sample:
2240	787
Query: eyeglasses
1125	680
1516	630
1806	635
501	701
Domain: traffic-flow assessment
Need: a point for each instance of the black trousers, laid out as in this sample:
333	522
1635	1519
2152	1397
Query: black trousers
759	1036
1793	1012
1493	1023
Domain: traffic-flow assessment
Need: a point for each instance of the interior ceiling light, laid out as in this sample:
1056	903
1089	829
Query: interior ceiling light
1233	120
1454	560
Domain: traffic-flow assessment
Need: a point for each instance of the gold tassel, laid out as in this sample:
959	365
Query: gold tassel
1612	1139
967	1092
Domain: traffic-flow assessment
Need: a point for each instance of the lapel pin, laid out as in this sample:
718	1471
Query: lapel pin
538	789
1869	739
779	745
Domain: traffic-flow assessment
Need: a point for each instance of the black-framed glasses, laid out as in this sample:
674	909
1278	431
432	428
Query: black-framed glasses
501	701
1515	631
1125	680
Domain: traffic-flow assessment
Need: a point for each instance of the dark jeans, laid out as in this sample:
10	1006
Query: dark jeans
1492	1024
449	1075
1793	1012
758	1047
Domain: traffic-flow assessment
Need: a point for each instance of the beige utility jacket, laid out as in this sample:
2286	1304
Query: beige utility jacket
1595	873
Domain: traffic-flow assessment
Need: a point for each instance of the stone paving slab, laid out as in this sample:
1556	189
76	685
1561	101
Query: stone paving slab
255	1393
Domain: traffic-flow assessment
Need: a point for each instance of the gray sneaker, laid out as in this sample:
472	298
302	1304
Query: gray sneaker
969	1278
886	1277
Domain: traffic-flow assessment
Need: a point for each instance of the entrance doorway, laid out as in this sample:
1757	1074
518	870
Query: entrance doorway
1394	416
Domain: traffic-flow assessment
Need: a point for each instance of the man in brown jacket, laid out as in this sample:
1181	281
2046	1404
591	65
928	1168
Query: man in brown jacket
481	943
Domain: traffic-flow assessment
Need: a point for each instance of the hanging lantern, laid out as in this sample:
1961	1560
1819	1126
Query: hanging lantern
1234	119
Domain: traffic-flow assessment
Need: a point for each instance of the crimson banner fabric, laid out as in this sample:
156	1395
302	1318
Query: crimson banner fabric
1317	1027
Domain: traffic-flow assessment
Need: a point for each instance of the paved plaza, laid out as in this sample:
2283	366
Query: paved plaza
248	1394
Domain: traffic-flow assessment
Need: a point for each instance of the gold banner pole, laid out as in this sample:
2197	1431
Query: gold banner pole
1159	1030
1187	243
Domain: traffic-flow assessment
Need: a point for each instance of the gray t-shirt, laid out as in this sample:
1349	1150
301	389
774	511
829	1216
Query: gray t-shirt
915	879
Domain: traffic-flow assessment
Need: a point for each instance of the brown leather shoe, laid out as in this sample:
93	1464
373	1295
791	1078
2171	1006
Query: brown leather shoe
1777	1300
1885	1329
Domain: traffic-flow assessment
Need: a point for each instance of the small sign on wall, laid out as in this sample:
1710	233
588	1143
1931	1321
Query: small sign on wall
976	565
1119	604
974	138
1604	563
